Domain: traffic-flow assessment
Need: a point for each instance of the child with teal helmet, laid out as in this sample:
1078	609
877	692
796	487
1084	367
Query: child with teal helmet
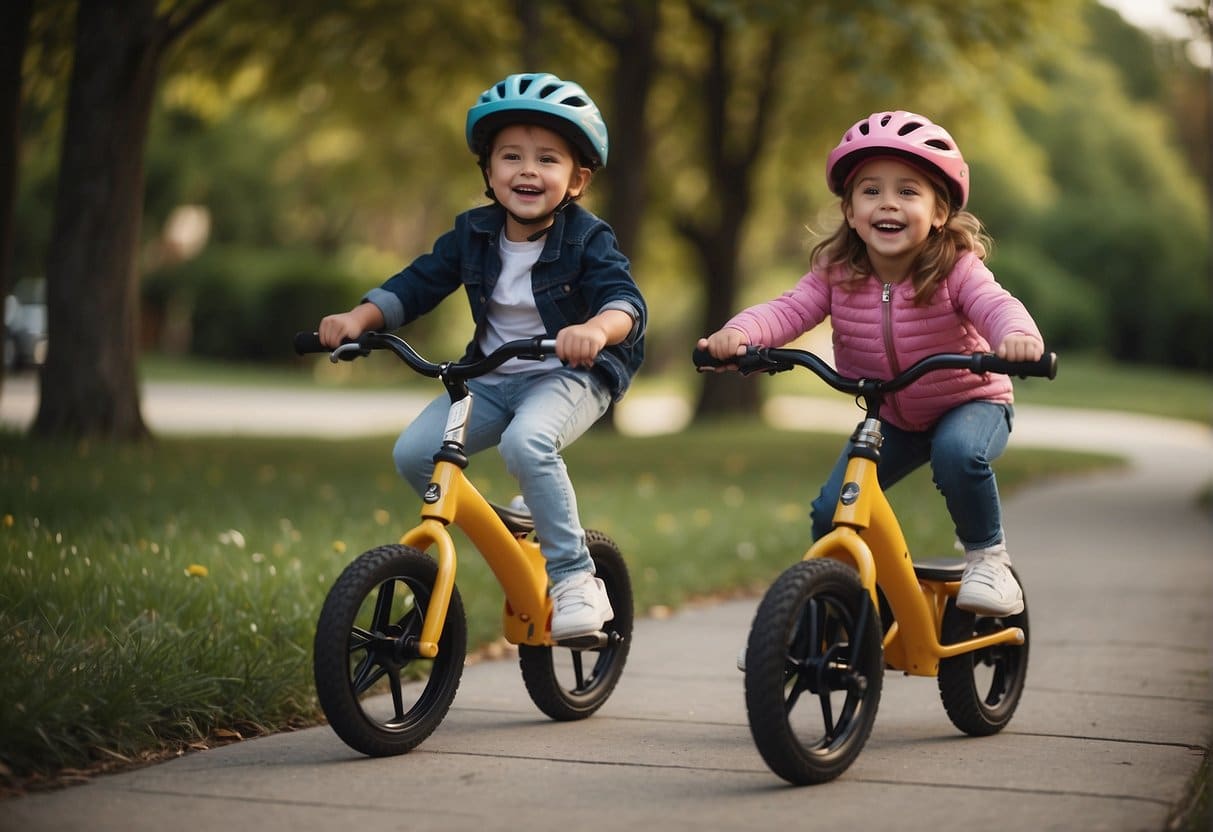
538	99
532	263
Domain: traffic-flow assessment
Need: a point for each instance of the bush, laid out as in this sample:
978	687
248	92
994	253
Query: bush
1150	266
1070	313
242	303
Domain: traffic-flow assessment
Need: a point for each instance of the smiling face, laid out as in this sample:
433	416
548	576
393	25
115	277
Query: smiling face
530	170
893	207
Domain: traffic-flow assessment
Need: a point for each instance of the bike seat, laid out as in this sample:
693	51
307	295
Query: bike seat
939	569
518	522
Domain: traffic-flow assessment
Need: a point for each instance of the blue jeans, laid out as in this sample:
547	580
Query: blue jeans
960	447
530	417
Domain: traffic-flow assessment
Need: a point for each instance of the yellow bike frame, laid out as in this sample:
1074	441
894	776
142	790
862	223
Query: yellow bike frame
517	562
867	536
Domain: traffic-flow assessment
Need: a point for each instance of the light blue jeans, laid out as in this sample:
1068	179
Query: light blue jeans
960	447
530	418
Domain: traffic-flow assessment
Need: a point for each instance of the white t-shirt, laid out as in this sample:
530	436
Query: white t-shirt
511	312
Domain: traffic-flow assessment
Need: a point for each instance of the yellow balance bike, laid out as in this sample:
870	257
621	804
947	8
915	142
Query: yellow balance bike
392	635
857	603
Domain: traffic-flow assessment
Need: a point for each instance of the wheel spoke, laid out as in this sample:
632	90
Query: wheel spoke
411	622
998	684
397	694
382	617
827	712
804	654
857	632
367	674
793	697
413	615
359	639
578	671
848	708
814	614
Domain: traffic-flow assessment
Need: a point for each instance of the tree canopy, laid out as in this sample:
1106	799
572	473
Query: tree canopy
337	129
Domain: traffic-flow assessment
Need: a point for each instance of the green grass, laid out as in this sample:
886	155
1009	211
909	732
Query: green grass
113	644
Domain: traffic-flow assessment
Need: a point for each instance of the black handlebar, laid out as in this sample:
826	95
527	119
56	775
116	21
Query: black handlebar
772	360
531	349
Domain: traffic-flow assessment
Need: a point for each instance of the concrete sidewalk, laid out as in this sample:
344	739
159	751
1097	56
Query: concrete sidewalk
1114	720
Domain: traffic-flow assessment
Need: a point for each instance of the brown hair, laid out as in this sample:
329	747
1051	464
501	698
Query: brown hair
961	232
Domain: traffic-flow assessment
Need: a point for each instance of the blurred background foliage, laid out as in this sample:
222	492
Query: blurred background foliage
302	152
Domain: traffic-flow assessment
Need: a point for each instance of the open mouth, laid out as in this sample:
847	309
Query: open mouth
888	227
527	190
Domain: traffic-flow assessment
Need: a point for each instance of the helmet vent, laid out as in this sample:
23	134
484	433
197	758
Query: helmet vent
909	127
863	128
938	144
550	89
885	119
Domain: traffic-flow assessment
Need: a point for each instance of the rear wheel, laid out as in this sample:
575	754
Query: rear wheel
380	696
816	633
569	683
981	690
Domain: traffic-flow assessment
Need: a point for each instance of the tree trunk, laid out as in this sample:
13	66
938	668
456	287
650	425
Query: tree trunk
635	66
630	29
719	248
732	148
89	384
14	33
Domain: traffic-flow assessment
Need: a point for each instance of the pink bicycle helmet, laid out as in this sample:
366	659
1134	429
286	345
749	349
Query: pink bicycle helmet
906	135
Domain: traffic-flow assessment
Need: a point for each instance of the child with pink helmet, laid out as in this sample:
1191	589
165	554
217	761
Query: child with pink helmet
902	277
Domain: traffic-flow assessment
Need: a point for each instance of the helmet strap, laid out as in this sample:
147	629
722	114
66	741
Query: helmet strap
563	204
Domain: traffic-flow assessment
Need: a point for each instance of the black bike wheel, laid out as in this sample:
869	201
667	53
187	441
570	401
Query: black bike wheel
982	689
815	632
570	683
380	696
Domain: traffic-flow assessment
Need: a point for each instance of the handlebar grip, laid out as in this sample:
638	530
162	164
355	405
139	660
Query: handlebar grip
755	360
703	358
308	342
1044	367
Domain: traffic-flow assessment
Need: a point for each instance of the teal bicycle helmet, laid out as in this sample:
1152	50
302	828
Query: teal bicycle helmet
543	99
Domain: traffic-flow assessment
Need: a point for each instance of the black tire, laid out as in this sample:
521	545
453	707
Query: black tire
557	678
379	695
813	632
982	689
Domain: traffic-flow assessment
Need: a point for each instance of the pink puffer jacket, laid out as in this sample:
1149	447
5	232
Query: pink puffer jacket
875	337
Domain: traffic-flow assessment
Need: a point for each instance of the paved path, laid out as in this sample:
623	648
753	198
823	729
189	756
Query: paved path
1114	720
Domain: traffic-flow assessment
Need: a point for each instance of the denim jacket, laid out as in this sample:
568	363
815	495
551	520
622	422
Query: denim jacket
580	273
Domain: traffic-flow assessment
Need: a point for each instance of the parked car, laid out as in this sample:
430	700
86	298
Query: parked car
25	336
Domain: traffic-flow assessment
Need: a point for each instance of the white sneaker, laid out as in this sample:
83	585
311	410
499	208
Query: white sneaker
741	659
987	586
580	606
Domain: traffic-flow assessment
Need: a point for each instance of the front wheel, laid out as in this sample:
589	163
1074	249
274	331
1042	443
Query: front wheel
380	696
814	633
572	683
981	690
